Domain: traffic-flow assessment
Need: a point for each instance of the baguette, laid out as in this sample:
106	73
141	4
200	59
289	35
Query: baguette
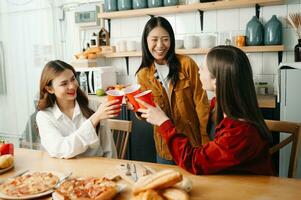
174	194
160	180
148	195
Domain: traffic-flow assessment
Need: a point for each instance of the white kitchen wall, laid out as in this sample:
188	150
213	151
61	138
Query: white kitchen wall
228	22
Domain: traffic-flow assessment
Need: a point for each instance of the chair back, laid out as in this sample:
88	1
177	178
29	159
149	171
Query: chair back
121	130
294	132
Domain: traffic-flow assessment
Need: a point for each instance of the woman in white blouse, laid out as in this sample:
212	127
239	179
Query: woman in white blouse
67	126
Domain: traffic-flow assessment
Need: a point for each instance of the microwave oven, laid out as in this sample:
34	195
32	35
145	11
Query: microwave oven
98	77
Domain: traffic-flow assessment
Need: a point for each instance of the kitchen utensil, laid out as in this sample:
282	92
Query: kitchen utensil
19	173
62	180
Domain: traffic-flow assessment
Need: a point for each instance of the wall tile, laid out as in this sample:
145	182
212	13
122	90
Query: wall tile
141	23
290	56
256	62
280	11
115	28
128	27
245	15
270	63
228	20
210	21
134	64
181	23
289	39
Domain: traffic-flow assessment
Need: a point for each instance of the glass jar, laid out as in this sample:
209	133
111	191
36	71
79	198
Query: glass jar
171	2
110	5
298	51
138	4
124	4
155	3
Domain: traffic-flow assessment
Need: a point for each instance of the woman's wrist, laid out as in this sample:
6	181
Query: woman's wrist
94	120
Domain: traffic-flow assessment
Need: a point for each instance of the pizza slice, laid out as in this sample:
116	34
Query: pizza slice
87	188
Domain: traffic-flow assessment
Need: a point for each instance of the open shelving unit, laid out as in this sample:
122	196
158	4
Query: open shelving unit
216	5
197	51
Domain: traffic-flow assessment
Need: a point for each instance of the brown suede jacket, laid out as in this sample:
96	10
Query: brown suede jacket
189	107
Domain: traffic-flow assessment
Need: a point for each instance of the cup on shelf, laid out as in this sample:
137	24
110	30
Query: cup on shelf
240	40
179	44
145	96
190	42
131	45
121	46
130	92
207	41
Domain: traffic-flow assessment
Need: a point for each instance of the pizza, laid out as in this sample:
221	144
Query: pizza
29	184
87	188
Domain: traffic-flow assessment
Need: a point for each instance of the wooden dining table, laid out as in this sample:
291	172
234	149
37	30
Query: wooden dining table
205	187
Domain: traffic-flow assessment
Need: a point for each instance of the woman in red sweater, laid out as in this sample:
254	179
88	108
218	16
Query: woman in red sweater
241	139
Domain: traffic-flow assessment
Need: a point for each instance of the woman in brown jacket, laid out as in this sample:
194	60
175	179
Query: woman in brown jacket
174	81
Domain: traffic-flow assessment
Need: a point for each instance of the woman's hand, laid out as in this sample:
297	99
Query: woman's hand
153	115
108	109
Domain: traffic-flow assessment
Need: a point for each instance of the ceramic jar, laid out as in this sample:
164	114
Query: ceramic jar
254	32
155	3
138	4
110	5
298	51
190	42
124	4
273	32
171	2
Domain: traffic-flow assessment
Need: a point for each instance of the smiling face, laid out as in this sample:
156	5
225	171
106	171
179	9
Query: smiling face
206	78
64	86
158	41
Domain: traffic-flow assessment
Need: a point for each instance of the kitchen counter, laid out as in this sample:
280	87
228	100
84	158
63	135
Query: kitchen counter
264	101
234	187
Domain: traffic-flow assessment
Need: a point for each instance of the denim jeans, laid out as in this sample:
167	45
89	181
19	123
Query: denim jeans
164	161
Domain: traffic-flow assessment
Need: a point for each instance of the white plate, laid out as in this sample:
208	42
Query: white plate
120	187
6	169
60	175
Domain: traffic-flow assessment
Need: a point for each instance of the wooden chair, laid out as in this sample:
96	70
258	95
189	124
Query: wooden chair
121	130
294	131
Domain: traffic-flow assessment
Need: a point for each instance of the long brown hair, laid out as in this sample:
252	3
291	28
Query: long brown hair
235	91
51	70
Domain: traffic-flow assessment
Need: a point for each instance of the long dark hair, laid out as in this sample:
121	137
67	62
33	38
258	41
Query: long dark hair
235	91
51	70
148	59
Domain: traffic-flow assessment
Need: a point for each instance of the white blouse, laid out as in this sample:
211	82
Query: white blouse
63	137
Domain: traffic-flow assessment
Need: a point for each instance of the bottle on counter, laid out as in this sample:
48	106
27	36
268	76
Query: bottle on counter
83	82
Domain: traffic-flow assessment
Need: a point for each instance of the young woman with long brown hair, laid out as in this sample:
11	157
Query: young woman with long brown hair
242	139
175	85
67	126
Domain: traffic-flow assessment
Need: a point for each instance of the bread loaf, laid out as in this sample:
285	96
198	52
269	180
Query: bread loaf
148	195
174	194
160	180
6	161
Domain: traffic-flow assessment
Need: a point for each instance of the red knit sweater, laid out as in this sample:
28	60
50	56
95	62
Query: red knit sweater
236	148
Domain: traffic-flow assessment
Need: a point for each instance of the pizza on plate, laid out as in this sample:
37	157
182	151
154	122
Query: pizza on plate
86	188
29	184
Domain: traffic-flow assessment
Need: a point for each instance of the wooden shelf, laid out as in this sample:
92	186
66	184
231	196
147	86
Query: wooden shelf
198	51
189	8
